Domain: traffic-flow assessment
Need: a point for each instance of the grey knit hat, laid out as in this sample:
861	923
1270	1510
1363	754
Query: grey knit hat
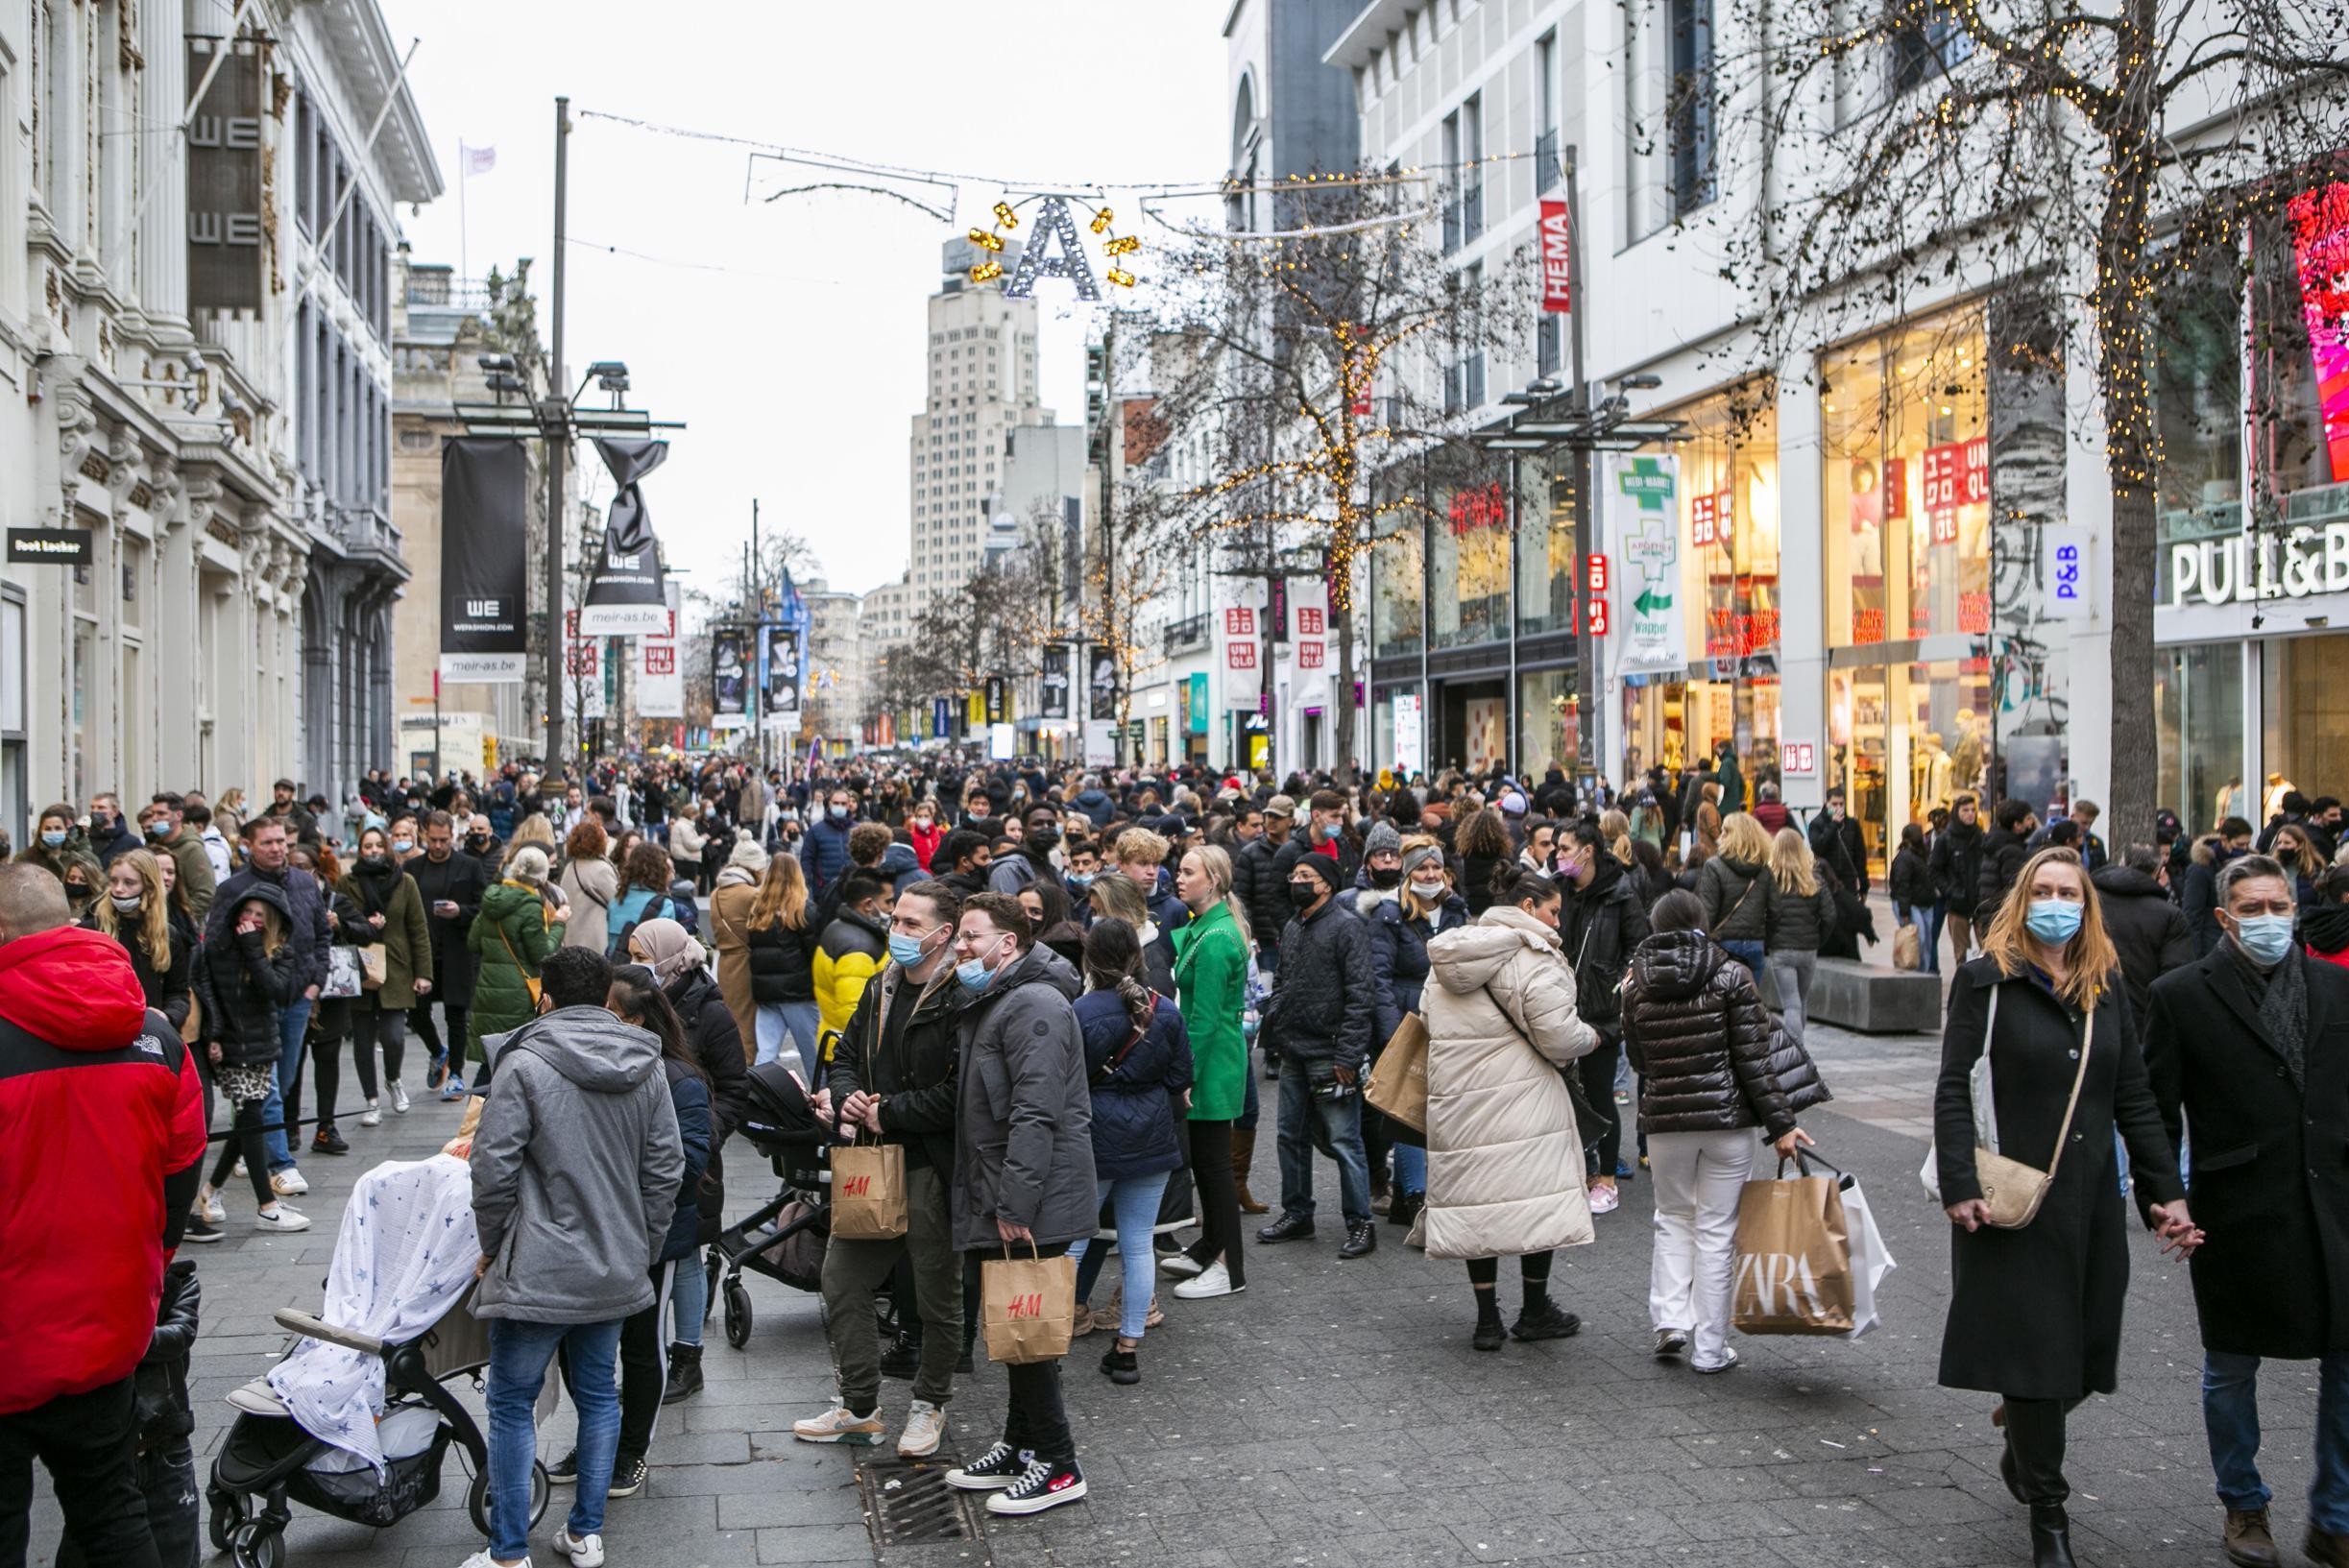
1415	858
1382	839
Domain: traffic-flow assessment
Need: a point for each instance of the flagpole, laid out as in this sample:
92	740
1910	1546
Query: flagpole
464	261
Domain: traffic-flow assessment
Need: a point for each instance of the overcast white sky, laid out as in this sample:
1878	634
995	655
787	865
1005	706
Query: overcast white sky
797	365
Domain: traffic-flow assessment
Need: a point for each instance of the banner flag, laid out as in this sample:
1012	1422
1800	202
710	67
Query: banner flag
485	588
624	592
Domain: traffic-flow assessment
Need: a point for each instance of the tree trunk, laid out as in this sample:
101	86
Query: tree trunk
2129	457
1348	754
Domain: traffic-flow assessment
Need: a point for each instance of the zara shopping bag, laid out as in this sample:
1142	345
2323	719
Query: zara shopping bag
1027	1306
1794	1258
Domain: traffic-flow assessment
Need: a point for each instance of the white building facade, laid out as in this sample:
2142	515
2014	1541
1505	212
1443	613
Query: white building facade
151	288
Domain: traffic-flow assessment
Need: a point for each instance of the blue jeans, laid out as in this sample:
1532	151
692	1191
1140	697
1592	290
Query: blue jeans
1411	1168
795	1021
1250	1108
2231	1419
519	1353
1935	915
689	1293
1133	1200
1338	1124
293	1022
1750	954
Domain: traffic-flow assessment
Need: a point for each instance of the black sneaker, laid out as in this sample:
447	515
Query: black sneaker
201	1230
1289	1227
565	1471
902	1359
1122	1366
1490	1335
963	1364
627	1477
1361	1240
1043	1484
999	1467
1545	1322
328	1140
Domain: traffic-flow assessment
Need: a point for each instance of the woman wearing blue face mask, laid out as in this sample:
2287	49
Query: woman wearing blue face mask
53	843
2035	1310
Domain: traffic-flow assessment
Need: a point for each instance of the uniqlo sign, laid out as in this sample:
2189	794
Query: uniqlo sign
1956	475
1240	621
1309	656
1556	258
660	659
1239	655
1311	620
1594	595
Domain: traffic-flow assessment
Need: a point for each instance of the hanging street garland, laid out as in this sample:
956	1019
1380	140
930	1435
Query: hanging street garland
1054	251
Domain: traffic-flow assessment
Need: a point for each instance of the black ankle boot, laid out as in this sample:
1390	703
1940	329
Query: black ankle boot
902	1359
683	1373
2050	1536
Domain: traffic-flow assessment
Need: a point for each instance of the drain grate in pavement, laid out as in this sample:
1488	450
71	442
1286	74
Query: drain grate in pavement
907	1501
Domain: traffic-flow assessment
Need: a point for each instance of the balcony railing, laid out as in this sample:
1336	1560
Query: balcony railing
1188	635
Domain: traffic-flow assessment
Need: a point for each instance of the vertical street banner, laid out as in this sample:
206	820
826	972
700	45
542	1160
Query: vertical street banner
1641	501
660	675
941	718
1102	685
782	675
729	678
485	506
1243	672
1557	230
624	591
226	195
1309	610
1053	686
998	700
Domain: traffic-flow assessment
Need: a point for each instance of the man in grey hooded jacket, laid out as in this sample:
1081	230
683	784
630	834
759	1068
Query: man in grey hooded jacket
576	1164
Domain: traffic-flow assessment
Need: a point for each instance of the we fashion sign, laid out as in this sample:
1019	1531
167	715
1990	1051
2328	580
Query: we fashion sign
485	502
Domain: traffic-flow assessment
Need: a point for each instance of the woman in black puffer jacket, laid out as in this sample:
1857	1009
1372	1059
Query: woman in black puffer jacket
680	964
243	981
1712	1067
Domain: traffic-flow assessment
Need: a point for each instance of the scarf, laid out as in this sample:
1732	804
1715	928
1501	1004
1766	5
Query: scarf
2282	994
2326	927
673	952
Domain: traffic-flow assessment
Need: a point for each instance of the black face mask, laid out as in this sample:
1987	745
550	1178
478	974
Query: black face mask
1043	839
1304	894
1391	877
476	841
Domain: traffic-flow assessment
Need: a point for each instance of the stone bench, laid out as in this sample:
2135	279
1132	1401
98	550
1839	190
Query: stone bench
1873	1000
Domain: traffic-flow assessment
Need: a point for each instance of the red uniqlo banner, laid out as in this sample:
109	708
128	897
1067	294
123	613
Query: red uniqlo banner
1556	258
1956	475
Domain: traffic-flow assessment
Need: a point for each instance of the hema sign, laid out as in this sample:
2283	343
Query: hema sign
2245	568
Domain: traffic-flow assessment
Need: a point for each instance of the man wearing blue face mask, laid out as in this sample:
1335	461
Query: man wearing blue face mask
893	1077
2250	1047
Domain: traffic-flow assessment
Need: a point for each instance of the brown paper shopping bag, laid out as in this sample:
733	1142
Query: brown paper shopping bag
1794	1259
1398	1078
1029	1306
869	1192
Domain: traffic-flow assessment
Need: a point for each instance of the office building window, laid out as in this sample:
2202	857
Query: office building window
1691	24
1546	151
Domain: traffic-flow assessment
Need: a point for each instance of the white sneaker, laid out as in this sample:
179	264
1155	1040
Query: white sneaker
281	1217
400	1098
371	1117
1178	1265
583	1551
925	1430
288	1183
239	1171
1605	1199
1215	1282
838	1425
209	1205
483	1560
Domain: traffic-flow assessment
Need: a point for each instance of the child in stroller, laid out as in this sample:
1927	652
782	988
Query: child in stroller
784	1239
358	1417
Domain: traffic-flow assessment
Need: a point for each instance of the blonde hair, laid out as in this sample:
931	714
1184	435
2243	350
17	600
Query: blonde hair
1214	861
2091	956
1414	905
1616	829
534	829
1140	844
1744	838
1120	898
2307	863
153	931
782	897
1790	858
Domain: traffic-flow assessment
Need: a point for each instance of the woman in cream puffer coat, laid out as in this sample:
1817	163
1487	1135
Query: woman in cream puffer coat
1504	1158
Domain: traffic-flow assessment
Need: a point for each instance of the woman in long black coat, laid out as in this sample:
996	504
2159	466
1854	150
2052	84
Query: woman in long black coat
2035	1312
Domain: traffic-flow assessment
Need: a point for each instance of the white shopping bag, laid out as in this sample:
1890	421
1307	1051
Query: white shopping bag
1870	1261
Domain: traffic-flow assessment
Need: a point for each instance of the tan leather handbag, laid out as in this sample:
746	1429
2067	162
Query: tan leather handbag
2013	1189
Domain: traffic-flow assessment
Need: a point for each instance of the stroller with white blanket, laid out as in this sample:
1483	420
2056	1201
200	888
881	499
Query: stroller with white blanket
358	1417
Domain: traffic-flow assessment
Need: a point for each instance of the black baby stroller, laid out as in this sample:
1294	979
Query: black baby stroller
268	1458
783	1239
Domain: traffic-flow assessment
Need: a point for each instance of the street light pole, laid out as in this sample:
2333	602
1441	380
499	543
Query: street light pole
558	450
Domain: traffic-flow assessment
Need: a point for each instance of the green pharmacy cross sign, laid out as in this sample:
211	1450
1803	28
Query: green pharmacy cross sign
1647	523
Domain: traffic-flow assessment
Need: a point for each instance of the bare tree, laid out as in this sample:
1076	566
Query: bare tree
1321	357
2083	163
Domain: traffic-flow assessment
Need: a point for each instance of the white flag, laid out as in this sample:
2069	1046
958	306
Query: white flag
477	159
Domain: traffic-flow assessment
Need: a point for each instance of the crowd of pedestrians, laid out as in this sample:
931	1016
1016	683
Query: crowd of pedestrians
1065	997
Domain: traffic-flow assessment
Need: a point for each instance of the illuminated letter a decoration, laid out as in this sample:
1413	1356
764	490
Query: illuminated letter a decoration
1054	227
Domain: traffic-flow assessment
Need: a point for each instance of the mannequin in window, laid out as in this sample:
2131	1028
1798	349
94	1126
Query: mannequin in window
1966	755
1930	774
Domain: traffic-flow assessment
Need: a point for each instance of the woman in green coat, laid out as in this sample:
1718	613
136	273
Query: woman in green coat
519	925
1211	987
395	909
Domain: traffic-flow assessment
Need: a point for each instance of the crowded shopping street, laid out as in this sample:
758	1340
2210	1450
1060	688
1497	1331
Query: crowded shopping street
1232	781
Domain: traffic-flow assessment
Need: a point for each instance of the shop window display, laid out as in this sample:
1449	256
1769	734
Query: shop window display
2198	708
1545	547
1469	593
1396	598
2197	385
2300	360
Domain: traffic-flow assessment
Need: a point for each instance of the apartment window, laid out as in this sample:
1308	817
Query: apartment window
1546	169
1472	176
1690	110
1472	378
1926	51
1547	341
1455	173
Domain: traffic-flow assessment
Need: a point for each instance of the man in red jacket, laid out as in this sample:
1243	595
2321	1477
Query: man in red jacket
101	1136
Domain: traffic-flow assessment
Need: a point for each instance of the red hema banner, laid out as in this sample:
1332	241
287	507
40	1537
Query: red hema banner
1556	258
